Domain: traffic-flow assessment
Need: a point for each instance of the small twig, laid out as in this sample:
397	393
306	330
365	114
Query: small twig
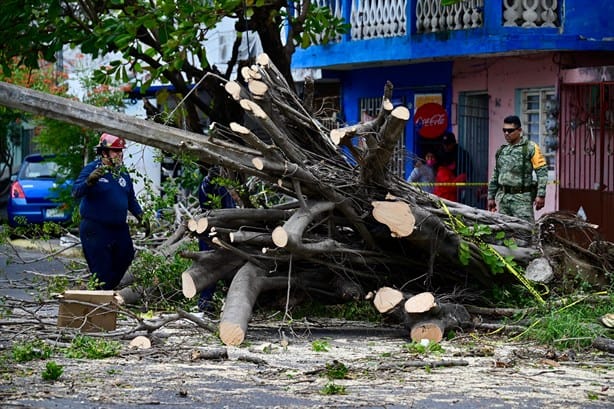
201	323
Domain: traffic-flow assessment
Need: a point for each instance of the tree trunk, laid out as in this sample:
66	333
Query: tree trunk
348	225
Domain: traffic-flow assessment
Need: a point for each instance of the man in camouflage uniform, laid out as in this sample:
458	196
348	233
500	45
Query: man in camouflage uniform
510	187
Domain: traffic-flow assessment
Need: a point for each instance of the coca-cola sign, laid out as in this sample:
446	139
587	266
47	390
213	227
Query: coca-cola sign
431	120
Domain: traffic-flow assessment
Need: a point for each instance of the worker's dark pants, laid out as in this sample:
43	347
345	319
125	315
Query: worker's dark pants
108	251
206	295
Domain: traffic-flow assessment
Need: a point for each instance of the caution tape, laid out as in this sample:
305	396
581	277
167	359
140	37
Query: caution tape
448	184
462	184
508	265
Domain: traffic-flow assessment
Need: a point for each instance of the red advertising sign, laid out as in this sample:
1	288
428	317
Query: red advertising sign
431	120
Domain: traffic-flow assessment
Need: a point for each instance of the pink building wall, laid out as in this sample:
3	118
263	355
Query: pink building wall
501	78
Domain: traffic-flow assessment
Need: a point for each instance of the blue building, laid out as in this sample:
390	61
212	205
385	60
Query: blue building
549	62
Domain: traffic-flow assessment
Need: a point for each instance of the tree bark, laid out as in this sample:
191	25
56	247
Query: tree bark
351	226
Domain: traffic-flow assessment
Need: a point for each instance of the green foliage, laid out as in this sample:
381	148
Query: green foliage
30	350
475	234
71	145
83	346
44	231
575	325
162	41
93	283
424	348
333	389
164	274
54	284
181	188
320	345
52	371
510	296
336	370
320	28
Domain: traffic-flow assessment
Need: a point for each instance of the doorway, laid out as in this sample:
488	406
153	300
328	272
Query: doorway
586	153
473	137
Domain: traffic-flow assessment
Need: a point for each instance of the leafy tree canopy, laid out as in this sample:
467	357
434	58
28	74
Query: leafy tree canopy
161	40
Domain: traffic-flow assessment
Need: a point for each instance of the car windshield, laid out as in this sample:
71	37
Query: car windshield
40	170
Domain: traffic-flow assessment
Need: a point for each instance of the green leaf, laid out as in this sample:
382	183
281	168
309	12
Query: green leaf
464	254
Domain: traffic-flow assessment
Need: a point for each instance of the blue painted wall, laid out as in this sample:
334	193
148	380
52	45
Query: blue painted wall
407	80
585	26
591	20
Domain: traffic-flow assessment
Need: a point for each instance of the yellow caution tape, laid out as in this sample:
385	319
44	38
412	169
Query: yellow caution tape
507	265
518	275
461	184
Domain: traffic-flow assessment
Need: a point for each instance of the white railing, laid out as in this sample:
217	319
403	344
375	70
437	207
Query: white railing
378	18
431	16
530	13
388	18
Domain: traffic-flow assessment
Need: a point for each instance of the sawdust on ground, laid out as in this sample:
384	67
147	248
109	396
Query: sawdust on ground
282	369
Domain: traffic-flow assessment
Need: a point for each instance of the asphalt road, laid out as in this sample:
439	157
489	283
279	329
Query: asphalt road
166	378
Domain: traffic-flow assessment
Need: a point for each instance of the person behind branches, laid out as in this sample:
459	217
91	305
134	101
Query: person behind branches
423	174
212	195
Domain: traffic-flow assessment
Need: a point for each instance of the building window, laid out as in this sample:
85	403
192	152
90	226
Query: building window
539	123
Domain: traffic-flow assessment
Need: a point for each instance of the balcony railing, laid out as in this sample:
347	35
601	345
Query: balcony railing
431	16
530	13
393	18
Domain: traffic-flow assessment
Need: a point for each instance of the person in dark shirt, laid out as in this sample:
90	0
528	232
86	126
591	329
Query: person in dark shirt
107	194
212	195
457	162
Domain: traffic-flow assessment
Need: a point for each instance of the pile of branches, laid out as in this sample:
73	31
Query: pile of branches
352	226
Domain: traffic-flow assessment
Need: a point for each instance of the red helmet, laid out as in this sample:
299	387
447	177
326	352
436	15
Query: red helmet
108	141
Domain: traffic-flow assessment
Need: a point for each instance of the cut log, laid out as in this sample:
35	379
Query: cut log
291	233
251	139
263	60
235	90
337	135
242	295
140	342
386	299
289	145
253	108
251	238
257	88
604	344
201	225
420	303
214	354
208	267
433	330
396	215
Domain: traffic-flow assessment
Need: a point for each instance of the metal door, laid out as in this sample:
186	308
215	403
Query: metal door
473	137
586	153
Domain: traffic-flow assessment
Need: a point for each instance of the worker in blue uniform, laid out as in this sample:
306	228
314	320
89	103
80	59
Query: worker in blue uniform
211	195
107	194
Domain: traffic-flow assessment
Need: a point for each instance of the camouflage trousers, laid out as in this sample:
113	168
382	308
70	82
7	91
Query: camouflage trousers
516	204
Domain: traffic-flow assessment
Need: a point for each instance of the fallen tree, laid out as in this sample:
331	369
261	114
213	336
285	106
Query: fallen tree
351	226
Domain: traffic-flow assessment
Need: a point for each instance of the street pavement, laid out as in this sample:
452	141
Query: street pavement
165	377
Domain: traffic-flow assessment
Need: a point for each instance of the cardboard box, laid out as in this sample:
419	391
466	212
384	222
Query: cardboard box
90	311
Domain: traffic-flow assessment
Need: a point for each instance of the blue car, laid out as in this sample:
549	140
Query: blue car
34	193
